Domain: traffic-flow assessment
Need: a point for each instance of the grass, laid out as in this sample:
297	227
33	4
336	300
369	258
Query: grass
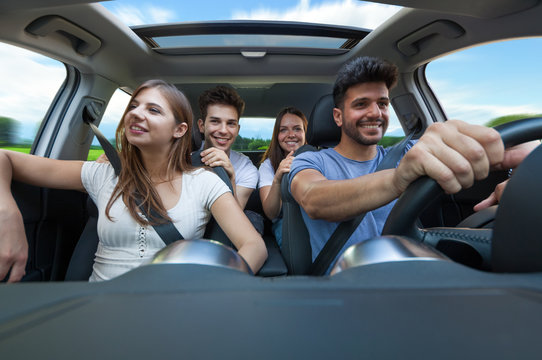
93	154
21	148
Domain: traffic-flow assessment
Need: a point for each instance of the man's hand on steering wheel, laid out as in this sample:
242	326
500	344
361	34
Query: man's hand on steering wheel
454	154
512	158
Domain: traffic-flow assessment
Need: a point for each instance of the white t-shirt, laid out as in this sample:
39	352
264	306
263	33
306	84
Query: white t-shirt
267	174
246	174
124	244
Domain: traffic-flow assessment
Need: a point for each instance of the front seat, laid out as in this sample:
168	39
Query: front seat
322	132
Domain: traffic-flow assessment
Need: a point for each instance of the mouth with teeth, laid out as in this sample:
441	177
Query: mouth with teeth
136	129
221	141
291	144
369	125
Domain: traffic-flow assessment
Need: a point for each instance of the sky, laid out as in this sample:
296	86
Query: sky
475	94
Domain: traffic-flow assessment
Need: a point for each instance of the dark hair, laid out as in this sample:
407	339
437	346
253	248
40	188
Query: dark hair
133	178
361	70
221	95
274	152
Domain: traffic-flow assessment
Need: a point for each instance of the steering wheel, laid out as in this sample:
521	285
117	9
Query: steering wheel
403	217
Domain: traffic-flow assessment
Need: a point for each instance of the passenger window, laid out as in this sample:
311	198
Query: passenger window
490	84
29	83
110	120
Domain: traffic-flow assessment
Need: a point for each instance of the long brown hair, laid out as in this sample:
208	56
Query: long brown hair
134	180
274	152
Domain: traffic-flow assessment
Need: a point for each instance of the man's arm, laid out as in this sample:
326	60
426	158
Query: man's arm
339	200
453	153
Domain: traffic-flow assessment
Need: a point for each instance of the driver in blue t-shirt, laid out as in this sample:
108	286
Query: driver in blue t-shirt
337	184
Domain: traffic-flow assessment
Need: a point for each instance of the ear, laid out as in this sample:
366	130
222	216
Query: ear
338	116
180	130
201	126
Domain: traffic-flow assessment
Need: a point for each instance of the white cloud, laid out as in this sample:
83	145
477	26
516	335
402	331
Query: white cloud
18	100
345	12
457	101
132	15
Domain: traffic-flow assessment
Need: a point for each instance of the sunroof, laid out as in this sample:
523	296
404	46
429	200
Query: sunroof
246	36
238	40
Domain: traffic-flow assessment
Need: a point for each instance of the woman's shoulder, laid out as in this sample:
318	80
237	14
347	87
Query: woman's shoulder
95	169
266	164
201	174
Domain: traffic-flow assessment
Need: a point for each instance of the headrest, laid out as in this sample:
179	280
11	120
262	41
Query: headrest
322	130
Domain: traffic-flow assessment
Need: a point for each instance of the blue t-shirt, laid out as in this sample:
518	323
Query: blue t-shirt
334	166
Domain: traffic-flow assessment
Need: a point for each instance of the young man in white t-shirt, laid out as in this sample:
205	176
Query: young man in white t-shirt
220	110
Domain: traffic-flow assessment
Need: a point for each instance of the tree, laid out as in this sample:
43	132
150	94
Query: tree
388	141
256	144
8	131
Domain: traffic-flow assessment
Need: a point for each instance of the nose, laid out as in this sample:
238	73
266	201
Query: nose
222	127
374	111
136	112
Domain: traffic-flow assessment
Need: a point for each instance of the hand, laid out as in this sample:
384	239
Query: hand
13	246
512	158
493	198
215	157
453	153
284	167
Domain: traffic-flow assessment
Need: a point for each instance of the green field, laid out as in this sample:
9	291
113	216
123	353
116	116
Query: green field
93	154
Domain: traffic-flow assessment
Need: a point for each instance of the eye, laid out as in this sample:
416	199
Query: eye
360	104
154	110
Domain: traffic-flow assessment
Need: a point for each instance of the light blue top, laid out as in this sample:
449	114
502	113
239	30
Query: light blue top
334	166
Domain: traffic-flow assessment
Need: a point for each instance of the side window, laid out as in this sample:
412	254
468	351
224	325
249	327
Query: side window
29	83
490	84
110	120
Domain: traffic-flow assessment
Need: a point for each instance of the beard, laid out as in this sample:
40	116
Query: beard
352	131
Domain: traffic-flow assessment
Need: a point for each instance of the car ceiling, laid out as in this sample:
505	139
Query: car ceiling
410	39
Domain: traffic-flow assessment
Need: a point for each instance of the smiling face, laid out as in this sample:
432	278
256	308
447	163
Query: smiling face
221	127
149	121
364	115
291	134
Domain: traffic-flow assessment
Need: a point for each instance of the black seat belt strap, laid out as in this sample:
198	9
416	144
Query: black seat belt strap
109	150
346	228
167	231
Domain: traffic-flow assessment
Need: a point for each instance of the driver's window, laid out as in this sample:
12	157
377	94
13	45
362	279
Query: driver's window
491	83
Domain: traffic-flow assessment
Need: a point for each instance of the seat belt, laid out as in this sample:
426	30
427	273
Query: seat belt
167	231
346	228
